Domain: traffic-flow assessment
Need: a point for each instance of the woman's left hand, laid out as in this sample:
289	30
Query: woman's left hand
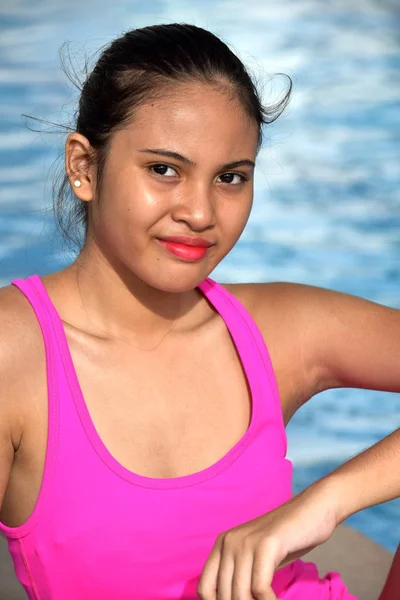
244	559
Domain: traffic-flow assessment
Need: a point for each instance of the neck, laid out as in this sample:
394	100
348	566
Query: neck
124	306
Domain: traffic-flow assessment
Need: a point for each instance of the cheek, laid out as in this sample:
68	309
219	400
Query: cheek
234	216
129	208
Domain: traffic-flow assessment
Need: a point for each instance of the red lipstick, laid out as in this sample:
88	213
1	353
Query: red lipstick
187	248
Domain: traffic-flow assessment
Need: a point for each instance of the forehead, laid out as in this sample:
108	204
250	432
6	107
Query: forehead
193	119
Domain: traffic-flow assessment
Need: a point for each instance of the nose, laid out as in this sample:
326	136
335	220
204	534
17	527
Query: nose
194	205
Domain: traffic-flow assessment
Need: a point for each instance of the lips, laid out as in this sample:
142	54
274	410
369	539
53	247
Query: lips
184	251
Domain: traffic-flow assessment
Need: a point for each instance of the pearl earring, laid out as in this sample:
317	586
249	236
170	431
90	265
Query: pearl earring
77	183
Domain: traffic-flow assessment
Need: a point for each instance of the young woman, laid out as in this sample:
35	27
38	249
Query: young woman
143	405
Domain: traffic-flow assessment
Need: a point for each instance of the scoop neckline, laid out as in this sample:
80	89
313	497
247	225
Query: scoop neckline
209	289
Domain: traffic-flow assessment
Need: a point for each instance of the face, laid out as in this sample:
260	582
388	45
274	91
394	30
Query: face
183	167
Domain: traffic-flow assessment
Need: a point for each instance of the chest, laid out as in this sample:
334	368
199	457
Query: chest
159	416
171	415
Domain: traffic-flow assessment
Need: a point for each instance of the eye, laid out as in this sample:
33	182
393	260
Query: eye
233	178
163	170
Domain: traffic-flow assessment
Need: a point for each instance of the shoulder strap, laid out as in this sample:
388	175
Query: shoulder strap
259	345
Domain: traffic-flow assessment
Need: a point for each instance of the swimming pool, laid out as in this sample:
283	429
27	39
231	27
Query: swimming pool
327	200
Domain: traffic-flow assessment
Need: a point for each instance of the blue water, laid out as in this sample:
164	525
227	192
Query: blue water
327	199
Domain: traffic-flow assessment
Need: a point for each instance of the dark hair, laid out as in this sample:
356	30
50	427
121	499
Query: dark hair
138	66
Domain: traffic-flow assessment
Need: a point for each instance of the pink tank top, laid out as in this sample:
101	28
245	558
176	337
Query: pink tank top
99	531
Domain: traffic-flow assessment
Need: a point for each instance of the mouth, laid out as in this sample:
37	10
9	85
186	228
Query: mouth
187	252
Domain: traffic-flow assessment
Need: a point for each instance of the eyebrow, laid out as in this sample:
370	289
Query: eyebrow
175	155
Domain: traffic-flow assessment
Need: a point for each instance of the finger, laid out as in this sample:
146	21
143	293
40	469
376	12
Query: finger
262	575
225	575
207	586
241	580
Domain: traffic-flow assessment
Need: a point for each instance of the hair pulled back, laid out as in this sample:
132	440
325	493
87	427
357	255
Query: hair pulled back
139	66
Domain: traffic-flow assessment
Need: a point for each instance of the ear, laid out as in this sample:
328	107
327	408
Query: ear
79	166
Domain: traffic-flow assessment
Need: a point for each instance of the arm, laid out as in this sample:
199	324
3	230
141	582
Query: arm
6	454
12	328
346	341
6	444
340	340
257	548
359	345
369	478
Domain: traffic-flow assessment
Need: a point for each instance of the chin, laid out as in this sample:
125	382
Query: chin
178	282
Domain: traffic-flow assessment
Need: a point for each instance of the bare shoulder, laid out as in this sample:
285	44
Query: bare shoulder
256	296
296	301
280	310
278	303
21	350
